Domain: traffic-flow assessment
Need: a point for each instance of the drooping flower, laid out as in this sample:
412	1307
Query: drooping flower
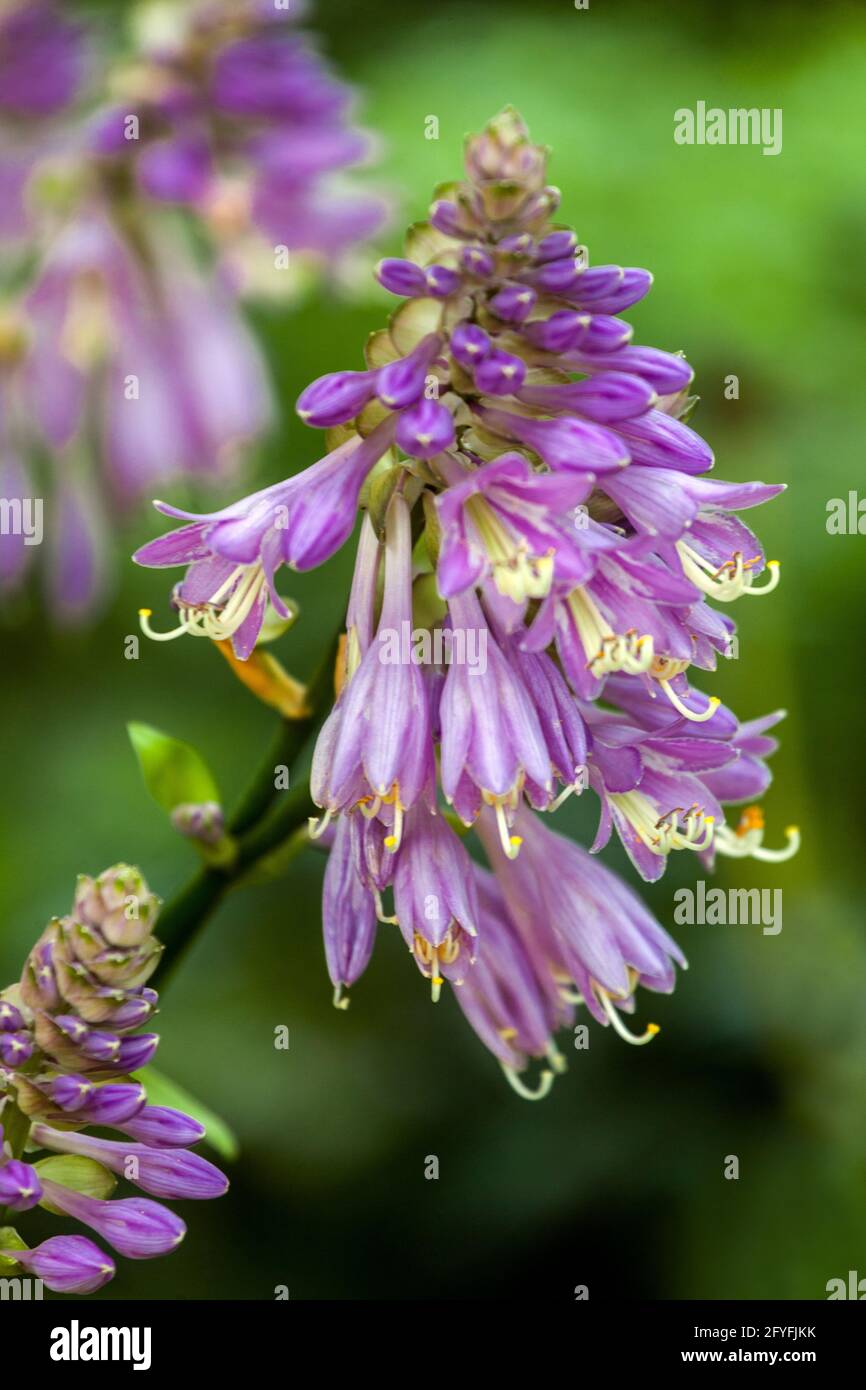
71	1044
552	547
233	554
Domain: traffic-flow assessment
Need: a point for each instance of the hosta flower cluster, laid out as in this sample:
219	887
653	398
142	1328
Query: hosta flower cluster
124	356
540	552
69	1042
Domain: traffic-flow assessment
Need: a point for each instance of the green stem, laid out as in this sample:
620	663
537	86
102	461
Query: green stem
258	834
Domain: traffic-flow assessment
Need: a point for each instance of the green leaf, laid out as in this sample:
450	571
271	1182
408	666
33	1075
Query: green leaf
81	1174
163	1091
174	773
10	1240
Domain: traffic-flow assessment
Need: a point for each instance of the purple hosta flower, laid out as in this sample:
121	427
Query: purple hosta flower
631	616
243	122
376	746
66	1264
510	997
652	788
348	914
20	1188
561	723
492	740
576	914
435	901
233	554
505	522
82	993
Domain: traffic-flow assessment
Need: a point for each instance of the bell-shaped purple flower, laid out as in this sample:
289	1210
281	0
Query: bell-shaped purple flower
348	914
435	901
376	745
233	554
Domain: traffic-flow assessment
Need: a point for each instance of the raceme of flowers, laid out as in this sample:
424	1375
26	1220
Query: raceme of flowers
124	356
68	1047
532	493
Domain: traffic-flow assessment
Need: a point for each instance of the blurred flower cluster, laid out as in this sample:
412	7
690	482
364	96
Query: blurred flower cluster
539	547
140	194
68	1046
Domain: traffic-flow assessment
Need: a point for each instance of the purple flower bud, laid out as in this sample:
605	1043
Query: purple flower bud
16	1048
606	397
66	1264
469	344
202	821
168	1172
112	1104
163	1128
100	1046
663	371
445	217
519	244
556	246
557	277
73	1027
476	261
136	1052
20	1187
597	282
425	429
402	382
514	303
137	1227
69	1092
335	398
566	443
135	1010
607	297
10	1018
441	281
560	333
604	334
401	277
500	374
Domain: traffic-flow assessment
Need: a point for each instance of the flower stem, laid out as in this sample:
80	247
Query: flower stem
257	833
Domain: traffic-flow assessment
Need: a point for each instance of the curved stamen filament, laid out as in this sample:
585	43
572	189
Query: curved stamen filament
730	580
219	617
665	833
636	1039
341	1000
693	715
319	824
611	651
747	840
545	1081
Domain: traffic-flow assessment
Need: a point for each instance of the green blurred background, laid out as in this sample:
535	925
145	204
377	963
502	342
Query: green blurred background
616	1181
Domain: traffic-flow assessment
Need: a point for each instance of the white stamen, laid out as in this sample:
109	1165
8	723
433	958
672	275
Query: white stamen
636	1039
545	1082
